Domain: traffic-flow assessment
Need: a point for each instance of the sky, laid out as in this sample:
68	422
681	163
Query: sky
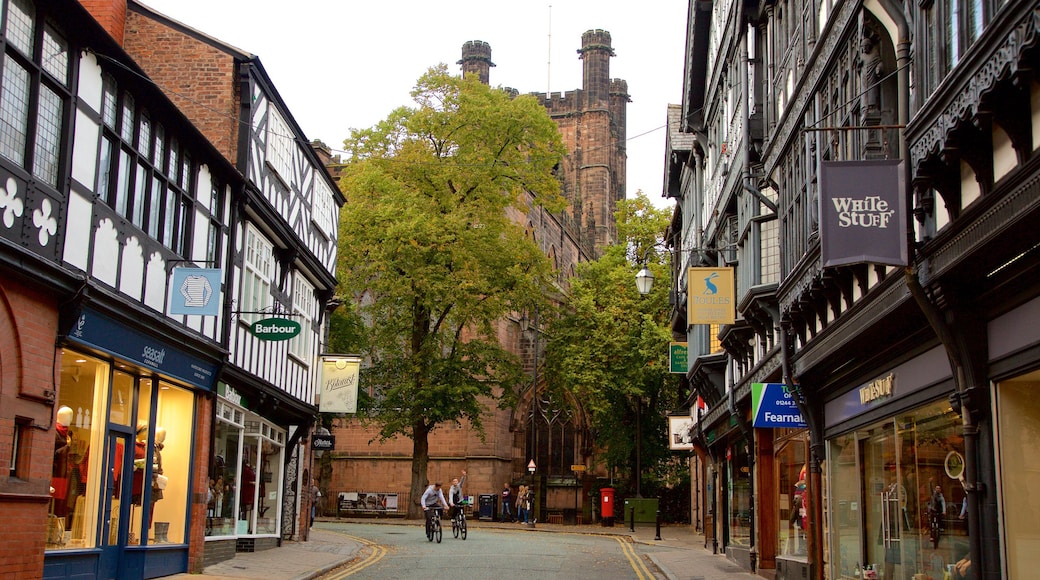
343	64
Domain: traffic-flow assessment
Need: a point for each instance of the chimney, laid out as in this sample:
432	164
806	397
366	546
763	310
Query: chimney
110	14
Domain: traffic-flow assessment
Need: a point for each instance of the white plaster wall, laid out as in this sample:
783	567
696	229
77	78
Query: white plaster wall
969	186
77	231
84	150
1004	157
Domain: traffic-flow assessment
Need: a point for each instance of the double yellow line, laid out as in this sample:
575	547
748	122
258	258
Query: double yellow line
375	554
638	565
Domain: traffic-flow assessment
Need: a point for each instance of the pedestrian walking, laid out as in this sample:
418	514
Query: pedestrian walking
315	499
505	513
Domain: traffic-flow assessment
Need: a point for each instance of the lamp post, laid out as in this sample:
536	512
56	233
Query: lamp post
525	326
644	283
530	504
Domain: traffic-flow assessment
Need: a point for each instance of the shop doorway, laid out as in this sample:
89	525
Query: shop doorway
115	514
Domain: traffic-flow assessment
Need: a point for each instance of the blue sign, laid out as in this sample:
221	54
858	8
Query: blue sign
195	291
773	406
99	331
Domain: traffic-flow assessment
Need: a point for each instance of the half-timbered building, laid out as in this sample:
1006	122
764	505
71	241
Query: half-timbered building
894	147
282	275
110	196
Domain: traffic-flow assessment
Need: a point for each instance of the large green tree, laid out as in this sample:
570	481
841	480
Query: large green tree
610	345
431	257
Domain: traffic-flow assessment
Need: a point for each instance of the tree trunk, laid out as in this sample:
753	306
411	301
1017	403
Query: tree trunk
420	460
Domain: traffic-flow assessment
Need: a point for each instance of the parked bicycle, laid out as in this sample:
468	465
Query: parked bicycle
458	522
433	526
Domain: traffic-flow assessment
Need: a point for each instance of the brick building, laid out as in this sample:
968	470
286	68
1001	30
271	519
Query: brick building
592	122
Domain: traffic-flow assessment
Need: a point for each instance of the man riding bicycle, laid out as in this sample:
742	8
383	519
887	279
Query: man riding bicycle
433	496
455	495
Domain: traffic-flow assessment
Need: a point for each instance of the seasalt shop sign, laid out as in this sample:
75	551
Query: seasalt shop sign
274	329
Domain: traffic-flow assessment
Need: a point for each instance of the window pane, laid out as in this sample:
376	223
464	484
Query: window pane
108	106
126	129
144	137
171	167
20	26
48	136
122	198
104	168
56	55
14	111
185	180
160	144
154	208
169	218
184	227
140	195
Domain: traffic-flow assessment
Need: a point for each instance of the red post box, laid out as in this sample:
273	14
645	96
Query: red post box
606	495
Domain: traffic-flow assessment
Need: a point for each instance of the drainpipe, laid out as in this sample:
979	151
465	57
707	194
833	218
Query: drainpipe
817	449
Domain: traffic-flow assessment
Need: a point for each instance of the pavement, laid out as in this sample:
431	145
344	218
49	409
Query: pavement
683	555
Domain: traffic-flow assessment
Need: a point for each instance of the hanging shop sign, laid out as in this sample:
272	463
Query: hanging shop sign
275	329
323	442
710	296
773	406
195	291
340	375
863	213
681	429
679	357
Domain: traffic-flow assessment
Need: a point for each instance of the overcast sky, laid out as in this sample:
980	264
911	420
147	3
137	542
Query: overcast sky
342	64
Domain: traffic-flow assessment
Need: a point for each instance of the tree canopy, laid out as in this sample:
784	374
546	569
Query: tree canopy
610	345
431	257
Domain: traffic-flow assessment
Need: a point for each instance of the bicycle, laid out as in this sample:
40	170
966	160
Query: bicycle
458	523
433	526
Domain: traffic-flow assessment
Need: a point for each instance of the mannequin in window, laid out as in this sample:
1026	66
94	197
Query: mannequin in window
157	469
140	456
248	489
60	469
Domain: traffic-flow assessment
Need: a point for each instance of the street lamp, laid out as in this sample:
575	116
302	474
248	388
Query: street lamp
644	281
530	503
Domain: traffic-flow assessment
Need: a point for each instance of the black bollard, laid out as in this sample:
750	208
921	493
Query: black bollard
632	519
658	537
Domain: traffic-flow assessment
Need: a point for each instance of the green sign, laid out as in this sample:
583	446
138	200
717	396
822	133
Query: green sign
679	355
275	329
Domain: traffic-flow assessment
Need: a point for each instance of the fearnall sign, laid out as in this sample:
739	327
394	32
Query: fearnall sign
863	213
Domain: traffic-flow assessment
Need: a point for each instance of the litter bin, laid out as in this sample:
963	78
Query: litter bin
606	495
487	504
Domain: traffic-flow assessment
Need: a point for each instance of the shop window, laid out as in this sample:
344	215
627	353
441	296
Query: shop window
91	459
793	505
21	442
222	498
739	496
895	508
79	429
1018	419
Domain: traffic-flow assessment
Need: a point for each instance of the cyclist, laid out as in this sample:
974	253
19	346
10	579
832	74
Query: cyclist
455	495
433	496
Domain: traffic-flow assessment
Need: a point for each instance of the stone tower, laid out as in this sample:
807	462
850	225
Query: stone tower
476	59
592	122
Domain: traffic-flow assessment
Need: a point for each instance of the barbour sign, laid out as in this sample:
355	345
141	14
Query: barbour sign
274	329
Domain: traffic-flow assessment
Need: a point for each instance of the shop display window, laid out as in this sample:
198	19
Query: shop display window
222	504
245	474
123	444
896	508
79	427
739	498
792	505
1018	439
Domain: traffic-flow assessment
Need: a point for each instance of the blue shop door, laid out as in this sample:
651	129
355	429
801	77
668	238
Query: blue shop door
115	508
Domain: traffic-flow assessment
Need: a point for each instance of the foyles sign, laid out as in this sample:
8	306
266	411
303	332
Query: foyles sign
863	213
274	329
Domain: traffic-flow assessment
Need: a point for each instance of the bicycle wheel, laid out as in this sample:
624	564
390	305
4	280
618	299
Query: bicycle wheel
437	531
455	526
429	530
462	525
